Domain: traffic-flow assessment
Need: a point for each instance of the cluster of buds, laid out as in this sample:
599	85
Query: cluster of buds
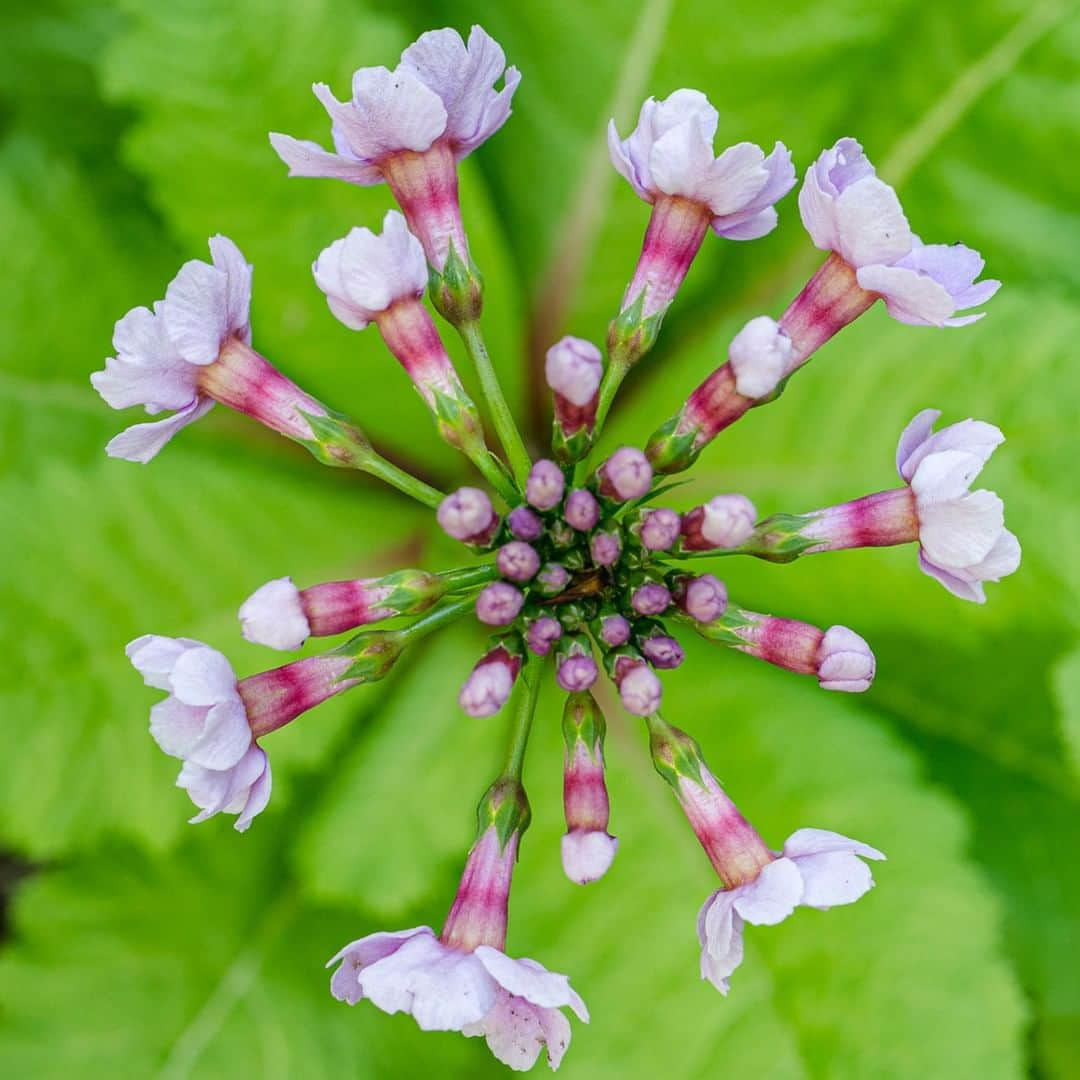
571	563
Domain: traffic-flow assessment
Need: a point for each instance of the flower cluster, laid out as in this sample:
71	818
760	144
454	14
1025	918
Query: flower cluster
571	562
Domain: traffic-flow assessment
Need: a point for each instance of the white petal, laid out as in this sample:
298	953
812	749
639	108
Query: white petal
306	158
153	656
390	111
142	442
203	676
960	533
911	297
517	1030
196	311
822	842
945	475
177	727
832	879
225	739
720	932
229	259
912	437
870	224
772	896
530	980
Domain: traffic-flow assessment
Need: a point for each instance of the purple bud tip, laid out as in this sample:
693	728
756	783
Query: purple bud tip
640	691
525	524
650	599
517	561
573	368
542	634
627	474
587	854
615	631
705	598
845	661
660	529
577	673
465	513
498	604
728	521
663	652
486	690
605	548
553	578
544	487
582	511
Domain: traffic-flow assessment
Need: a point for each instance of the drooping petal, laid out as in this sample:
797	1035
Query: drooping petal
516	1030
142	442
530	980
225	739
345	983
720	932
306	158
965	590
910	297
177	727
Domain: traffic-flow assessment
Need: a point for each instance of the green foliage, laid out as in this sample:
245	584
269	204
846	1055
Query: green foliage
131	131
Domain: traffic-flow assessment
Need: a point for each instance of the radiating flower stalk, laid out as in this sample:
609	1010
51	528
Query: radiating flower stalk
573	566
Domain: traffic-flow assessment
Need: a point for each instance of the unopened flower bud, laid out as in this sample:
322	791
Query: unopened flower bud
660	529
573	368
488	687
759	355
662	650
845	661
723	522
467	515
587	847
639	688
581	510
498	604
517	561
625	475
605	548
525	524
576	669
652	598
552	579
544	487
613	630
542	633
703	598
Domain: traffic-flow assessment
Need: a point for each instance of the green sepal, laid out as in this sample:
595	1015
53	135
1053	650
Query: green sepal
457	294
506	807
583	721
630	336
373	652
724	630
669	452
570	448
414	591
675	755
338	441
779	538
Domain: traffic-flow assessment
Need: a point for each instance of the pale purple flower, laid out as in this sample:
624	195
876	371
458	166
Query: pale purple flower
817	869
703	598
490	683
962	536
625	475
670	152
274	616
517	561
581	509
365	273
160	353
442	90
660	529
544	486
203	722
759	355
467	515
573	368
847	209
498	603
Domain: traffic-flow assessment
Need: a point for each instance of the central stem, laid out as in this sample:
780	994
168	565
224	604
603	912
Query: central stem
526	707
502	417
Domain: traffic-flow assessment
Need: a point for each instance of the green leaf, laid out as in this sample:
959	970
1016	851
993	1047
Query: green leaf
1067	687
94	558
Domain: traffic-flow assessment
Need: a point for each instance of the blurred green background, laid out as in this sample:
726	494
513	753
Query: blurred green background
137	946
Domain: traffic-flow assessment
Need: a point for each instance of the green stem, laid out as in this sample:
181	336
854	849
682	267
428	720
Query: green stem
376	465
436	619
609	387
503	419
526	707
492	471
465	577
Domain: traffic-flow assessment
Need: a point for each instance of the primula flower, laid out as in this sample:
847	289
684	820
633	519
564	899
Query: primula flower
193	349
409	127
568	557
462	979
816	868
